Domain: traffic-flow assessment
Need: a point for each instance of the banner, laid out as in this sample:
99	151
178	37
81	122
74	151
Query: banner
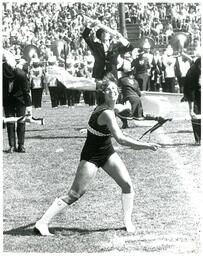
69	81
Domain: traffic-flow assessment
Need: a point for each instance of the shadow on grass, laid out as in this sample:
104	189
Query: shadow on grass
180	131
37	130
28	230
39	137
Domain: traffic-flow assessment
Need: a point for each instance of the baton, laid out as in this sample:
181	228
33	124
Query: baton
23	119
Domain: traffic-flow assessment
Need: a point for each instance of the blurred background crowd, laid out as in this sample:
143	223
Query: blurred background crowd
39	24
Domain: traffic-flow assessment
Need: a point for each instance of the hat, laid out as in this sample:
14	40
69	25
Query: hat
140	51
17	57
8	58
127	66
35	60
52	59
22	61
169	50
48	42
146	44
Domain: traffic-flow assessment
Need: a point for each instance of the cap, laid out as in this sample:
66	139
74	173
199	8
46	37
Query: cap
146	44
52	59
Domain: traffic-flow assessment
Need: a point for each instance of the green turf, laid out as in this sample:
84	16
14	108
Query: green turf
165	217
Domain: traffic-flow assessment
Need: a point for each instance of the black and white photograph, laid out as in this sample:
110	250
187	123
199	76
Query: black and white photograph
101	127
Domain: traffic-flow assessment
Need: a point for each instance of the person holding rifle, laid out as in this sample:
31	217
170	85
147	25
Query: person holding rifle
105	50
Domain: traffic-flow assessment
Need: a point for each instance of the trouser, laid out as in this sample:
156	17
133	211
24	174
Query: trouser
196	126
61	93
77	96
54	96
70	97
169	85
15	110
92	98
37	97
181	82
196	123
136	108
154	86
89	98
143	81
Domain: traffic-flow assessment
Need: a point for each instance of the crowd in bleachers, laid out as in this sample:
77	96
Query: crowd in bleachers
164	18
41	23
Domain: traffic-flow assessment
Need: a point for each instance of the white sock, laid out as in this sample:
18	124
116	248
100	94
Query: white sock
57	206
127	203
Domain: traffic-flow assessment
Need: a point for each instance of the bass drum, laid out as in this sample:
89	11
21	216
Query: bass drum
179	41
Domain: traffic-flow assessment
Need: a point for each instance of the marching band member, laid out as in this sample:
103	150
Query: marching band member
141	68
98	152
89	96
16	100
70	94
169	63
192	92
156	71
182	66
36	79
130	92
104	50
51	81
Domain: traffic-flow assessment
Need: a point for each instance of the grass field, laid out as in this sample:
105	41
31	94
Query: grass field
166	183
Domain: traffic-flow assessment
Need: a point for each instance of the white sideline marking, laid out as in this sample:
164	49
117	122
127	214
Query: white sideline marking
178	241
175	243
185	179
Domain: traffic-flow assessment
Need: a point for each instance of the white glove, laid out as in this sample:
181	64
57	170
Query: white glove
124	41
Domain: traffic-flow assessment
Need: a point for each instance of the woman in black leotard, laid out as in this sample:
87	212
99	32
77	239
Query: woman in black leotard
99	152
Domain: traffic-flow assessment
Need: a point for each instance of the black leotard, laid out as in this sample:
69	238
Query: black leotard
98	146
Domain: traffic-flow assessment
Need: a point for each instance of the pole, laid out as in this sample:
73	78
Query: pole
123	30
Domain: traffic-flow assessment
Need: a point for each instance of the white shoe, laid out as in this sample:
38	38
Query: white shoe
43	228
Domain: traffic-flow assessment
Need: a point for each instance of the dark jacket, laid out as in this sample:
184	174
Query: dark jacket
129	87
16	87
140	65
104	63
192	86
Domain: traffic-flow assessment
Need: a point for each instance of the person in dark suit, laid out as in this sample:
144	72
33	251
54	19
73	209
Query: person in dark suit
105	51
16	100
192	92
